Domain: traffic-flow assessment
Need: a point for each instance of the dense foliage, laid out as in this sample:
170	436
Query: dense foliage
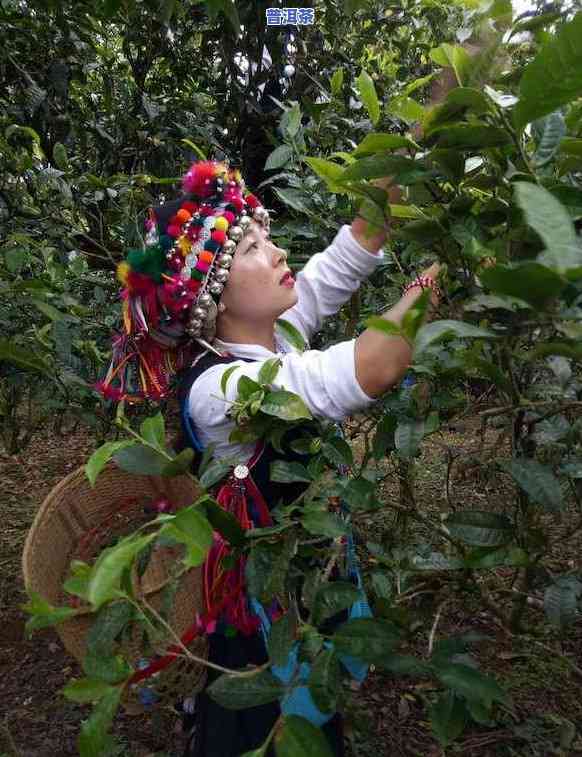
104	104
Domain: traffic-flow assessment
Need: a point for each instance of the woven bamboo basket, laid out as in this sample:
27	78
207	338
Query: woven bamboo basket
77	521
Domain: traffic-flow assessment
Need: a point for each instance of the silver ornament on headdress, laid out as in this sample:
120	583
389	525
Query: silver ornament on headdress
235	233
216	287
224	260
221	275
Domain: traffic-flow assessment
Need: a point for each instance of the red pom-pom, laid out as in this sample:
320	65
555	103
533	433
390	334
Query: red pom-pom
193	233
252	201
174	221
139	284
191	207
200	179
206	210
229	216
218	236
193	285
238	204
173	230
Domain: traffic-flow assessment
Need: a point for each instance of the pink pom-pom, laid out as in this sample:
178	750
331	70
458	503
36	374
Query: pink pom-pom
173	230
229	215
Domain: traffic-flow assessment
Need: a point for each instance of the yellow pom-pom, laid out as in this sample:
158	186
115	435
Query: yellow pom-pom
221	224
185	245
237	175
123	270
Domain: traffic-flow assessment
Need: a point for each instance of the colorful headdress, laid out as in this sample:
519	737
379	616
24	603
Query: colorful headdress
172	285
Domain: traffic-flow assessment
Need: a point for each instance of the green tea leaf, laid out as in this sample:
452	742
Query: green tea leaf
537	481
288	472
547	216
93	739
140	460
181	464
86	690
285	405
225	376
291	334
368	639
332	598
554	77
480	528
191	528
380	142
329	172
153	431
323	524
281	638
561	601
470	683
21	357
325	680
533	283
367	91
338	451
438	331
408	436
448	717
337	81
214	472
269	370
236	693
43	614
454	56
279	157
101	457
300	737
111	563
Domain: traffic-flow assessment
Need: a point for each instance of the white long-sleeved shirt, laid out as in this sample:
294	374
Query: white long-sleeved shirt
324	379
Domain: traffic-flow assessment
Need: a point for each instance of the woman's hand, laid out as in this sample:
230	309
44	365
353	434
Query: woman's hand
433	271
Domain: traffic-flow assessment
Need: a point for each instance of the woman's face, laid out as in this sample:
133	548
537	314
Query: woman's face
255	290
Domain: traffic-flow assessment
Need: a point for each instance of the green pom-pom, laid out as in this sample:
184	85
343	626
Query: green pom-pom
150	261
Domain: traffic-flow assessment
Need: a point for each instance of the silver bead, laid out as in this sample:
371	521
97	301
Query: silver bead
235	233
228	247
244	222
216	287
260	213
194	327
224	260
199	313
204	300
222	276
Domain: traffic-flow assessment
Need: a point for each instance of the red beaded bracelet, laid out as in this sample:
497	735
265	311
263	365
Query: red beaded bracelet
423	281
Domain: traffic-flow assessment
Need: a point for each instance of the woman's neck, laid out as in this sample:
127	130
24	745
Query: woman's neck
262	334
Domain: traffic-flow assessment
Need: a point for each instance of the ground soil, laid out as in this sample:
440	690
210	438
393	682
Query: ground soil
388	715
